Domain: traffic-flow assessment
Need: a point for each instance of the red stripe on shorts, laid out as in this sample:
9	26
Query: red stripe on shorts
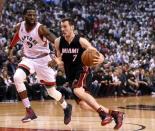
82	77
48	83
24	66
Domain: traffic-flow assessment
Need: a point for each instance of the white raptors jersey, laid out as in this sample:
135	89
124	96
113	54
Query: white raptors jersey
33	45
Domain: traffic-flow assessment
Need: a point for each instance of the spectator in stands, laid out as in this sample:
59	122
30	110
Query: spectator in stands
9	86
11	66
2	88
62	85
124	31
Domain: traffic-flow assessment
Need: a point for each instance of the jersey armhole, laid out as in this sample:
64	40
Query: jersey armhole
16	27
80	43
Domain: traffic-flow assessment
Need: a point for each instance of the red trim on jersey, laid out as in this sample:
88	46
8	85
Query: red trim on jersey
48	83
24	66
14	40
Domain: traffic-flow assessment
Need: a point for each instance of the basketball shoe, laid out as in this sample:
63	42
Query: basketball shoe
67	114
30	115
118	118
106	119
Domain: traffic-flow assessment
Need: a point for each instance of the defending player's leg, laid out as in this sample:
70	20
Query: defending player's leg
46	76
19	78
58	97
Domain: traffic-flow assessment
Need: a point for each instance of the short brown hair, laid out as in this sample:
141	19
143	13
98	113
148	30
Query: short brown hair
70	21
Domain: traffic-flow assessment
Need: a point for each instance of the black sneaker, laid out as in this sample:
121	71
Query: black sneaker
67	114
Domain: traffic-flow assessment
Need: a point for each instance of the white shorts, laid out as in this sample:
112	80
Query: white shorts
45	74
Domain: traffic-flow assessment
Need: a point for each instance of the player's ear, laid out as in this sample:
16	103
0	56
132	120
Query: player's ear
24	16
72	27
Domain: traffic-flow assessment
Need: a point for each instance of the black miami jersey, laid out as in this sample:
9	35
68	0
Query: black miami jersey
71	55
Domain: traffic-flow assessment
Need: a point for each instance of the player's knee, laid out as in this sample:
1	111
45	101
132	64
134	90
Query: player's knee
54	93
19	76
78	91
16	78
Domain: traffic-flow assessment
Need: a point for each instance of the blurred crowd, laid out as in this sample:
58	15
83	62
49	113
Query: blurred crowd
124	31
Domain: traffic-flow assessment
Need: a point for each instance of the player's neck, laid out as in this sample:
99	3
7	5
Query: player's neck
70	38
29	27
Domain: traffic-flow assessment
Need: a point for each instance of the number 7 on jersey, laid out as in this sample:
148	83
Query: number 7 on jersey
74	57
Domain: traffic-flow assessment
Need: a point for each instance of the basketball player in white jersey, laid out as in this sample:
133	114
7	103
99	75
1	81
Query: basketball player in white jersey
35	37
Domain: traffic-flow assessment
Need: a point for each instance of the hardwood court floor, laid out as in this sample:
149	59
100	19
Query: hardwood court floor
140	115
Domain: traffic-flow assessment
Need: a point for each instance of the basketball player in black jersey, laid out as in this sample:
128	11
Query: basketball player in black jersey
69	48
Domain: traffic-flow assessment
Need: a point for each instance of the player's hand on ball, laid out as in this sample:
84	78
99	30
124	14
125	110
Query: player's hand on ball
98	59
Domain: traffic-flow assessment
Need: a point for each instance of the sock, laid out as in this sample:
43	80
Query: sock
101	113
26	102
64	104
57	96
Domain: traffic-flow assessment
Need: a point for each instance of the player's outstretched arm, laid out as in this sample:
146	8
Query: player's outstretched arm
13	41
57	59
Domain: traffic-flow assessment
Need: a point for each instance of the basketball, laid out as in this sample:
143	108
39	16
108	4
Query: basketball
88	56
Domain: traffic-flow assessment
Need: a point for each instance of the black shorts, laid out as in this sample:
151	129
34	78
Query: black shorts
79	79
